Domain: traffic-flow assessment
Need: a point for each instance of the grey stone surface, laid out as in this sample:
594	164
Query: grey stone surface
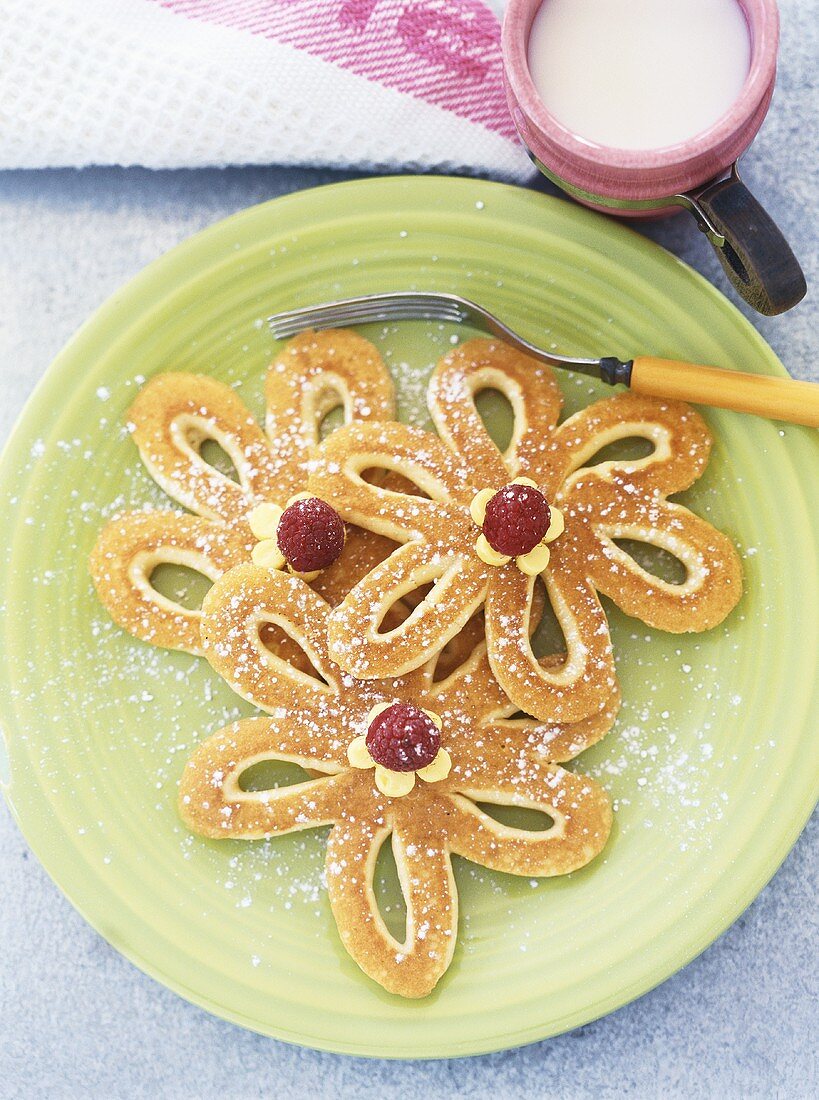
77	1020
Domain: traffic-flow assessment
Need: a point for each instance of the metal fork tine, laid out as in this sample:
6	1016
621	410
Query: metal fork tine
333	320
331	315
359	308
400	305
358	319
403	309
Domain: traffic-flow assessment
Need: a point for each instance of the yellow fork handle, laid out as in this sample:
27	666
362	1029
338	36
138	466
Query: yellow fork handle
775	398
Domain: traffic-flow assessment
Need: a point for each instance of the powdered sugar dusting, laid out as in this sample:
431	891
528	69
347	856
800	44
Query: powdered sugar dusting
663	766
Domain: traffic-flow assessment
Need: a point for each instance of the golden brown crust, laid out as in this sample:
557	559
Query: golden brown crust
530	388
313	374
172	417
312	722
422	858
628	500
132	545
600	504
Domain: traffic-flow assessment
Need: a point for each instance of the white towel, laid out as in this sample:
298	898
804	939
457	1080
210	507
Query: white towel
377	84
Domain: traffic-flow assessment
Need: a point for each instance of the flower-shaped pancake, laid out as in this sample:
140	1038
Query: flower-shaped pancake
171	419
588	508
313	720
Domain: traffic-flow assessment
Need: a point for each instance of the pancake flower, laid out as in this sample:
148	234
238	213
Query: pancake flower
173	417
479	525
340	731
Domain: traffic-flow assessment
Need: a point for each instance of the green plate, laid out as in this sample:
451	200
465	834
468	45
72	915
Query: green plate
712	764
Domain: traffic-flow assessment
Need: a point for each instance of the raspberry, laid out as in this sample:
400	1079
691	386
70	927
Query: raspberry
310	535
517	517
403	738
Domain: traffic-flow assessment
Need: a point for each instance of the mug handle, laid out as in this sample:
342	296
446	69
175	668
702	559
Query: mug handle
756	257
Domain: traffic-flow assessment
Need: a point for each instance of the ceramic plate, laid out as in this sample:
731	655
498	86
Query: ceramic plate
712	764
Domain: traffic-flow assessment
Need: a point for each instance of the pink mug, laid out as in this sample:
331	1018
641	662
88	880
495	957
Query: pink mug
699	175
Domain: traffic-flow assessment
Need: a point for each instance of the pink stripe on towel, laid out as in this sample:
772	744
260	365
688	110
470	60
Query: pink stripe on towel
446	52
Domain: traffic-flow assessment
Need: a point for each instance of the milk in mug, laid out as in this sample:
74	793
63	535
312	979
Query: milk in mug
639	74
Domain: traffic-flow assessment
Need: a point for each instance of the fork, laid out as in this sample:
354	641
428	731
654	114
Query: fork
777	398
